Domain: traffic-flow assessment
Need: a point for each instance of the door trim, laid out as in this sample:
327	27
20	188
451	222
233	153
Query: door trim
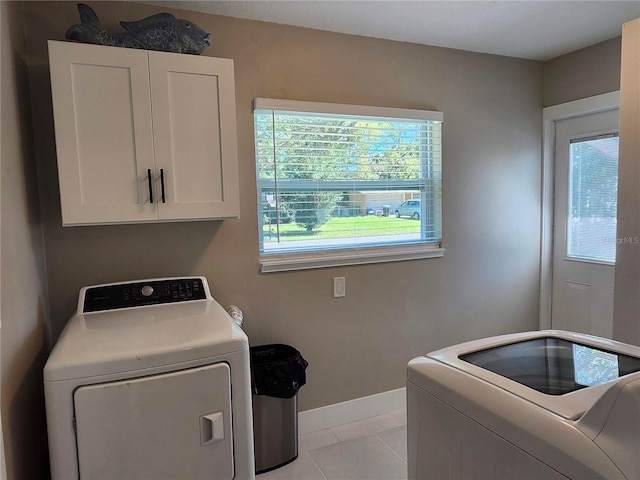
551	115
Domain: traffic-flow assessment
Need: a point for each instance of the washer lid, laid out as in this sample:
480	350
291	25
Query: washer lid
554	366
127	340
517	372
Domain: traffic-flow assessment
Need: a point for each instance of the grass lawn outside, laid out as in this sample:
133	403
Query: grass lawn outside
343	227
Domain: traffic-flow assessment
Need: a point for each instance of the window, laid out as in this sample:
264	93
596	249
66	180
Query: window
343	184
593	198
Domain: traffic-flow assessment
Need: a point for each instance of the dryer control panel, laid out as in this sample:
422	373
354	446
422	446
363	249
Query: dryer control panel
136	294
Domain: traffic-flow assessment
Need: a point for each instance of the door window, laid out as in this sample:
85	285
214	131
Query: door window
593	198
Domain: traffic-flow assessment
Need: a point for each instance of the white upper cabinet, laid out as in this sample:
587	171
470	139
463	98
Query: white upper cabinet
143	136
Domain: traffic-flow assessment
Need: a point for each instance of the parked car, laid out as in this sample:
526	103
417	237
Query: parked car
410	208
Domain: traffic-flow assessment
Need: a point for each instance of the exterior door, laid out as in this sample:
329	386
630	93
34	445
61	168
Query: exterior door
585	205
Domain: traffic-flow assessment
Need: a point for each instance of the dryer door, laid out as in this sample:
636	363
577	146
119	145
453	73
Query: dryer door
175	425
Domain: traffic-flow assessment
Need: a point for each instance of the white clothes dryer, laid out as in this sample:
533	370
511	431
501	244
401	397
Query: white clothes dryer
148	380
536	405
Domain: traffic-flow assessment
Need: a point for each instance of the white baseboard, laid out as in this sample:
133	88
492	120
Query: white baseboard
351	410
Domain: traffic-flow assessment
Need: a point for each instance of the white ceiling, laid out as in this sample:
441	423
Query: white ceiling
537	30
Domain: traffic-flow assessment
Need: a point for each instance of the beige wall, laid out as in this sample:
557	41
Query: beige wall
24	346
584	73
626	318
359	345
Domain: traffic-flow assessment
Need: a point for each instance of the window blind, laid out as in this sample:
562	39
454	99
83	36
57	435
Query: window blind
593	198
338	176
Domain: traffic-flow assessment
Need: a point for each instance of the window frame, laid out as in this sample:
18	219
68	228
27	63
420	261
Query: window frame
275	261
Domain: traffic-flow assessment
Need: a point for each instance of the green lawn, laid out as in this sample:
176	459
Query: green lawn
340	227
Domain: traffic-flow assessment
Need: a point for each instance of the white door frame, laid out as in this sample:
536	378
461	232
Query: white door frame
551	115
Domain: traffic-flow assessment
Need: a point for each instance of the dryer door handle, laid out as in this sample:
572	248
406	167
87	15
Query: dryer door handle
211	428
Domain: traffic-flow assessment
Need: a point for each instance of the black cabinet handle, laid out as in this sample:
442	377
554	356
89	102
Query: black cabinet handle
162	184
150	185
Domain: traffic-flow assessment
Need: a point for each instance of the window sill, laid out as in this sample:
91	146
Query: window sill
282	262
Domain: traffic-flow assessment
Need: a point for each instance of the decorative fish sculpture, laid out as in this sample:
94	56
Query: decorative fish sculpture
162	32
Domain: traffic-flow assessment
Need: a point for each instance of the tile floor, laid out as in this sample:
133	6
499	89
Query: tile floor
371	449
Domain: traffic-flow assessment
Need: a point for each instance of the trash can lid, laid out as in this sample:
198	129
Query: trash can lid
276	352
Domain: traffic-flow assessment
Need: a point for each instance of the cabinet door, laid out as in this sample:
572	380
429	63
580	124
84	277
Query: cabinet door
194	127
104	141
176	425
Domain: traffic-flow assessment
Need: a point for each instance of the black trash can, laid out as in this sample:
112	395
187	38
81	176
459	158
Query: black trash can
277	373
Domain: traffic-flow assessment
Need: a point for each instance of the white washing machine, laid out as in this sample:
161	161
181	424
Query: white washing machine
537	405
150	380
